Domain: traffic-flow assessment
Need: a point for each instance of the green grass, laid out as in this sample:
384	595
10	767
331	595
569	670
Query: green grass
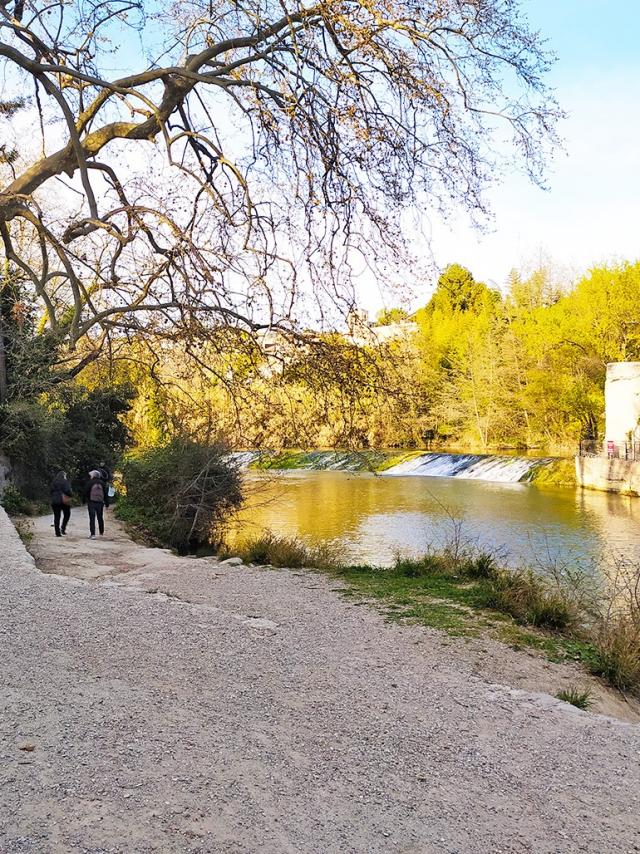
580	698
457	604
558	473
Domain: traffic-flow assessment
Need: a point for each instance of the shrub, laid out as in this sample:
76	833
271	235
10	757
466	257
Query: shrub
29	436
580	698
483	566
72	430
617	644
14	501
529	599
180	493
430	564
270	549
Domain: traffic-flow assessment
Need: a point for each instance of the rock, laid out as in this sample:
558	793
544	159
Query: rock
27	745
232	561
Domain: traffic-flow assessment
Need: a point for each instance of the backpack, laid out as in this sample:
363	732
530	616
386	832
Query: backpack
97	492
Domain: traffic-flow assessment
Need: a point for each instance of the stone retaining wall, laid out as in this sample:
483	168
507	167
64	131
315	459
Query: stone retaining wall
5	469
14	557
608	475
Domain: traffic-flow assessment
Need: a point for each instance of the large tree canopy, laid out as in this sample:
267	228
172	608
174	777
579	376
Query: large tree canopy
224	160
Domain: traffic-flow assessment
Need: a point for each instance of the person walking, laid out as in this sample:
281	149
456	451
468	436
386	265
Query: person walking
61	502
97	499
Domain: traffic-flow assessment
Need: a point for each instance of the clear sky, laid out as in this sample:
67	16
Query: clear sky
591	211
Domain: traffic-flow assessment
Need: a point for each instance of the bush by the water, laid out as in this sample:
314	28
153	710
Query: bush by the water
272	550
530	599
180	494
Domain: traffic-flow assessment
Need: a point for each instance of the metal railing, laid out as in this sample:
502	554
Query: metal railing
613	449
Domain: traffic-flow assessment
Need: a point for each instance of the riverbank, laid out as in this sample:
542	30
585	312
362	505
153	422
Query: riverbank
155	703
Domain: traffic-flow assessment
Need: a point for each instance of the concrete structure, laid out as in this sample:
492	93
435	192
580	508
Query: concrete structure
614	465
622	401
608	475
363	333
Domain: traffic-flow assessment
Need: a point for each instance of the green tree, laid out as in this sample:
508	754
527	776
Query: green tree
391	315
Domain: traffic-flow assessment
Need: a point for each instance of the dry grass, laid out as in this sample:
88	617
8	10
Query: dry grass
271	550
530	599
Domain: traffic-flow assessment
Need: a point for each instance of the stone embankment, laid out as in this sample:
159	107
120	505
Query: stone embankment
609	475
151	703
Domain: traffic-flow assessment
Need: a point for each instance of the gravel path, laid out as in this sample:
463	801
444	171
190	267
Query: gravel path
243	710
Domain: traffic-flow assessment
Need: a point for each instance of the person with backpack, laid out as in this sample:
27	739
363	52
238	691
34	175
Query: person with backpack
61	502
97	498
105	474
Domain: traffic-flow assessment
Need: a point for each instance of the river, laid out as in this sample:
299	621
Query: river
372	517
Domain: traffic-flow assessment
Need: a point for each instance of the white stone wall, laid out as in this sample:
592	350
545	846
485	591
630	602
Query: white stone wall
622	400
608	475
14	556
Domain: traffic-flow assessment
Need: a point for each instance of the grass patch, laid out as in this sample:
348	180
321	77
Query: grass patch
581	698
617	656
24	530
528	598
557	473
270	549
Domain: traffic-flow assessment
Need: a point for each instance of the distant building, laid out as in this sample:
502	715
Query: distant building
622	402
364	333
614	464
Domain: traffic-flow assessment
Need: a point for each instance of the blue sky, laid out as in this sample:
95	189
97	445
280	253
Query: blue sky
590	212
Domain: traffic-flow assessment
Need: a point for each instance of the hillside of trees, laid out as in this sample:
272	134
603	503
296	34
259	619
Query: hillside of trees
482	371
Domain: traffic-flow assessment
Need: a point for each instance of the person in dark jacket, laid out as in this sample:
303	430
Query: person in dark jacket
61	502
97	498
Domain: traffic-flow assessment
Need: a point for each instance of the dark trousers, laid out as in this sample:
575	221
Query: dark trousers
60	510
96	509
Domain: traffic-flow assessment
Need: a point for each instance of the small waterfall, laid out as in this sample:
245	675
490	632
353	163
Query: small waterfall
243	459
466	466
352	461
469	467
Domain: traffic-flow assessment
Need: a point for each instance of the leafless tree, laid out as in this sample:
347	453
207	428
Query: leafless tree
252	152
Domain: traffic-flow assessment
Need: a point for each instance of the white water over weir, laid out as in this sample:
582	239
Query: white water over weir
464	466
469	467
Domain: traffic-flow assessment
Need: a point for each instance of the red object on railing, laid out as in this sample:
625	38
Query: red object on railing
611	449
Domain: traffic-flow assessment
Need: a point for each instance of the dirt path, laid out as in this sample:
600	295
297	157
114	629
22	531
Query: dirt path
182	705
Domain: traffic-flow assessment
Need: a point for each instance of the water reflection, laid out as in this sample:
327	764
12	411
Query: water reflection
374	517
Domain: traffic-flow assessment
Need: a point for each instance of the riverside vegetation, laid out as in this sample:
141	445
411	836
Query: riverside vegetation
474	369
565	614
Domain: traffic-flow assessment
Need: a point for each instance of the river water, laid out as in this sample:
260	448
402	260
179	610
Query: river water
371	517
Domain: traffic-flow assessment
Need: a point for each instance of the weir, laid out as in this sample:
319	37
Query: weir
470	467
488	467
